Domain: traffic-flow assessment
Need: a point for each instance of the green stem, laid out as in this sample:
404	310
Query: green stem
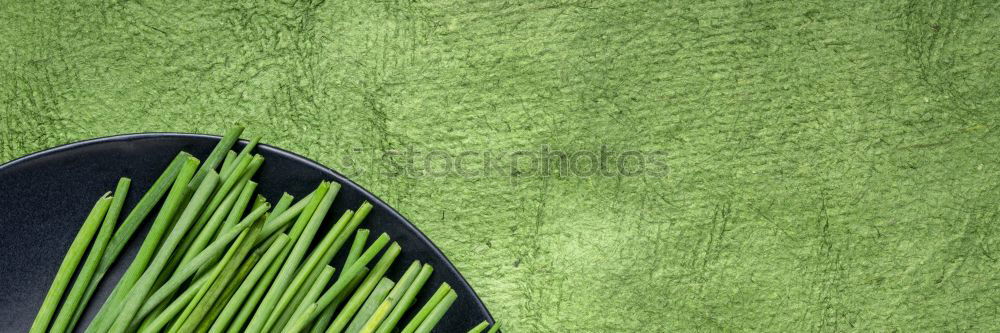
69	263
206	227
342	238
175	307
301	273
300	324
406	300
86	274
228	161
237	201
112	306
211	213
439	310
235	212
443	291
479	328
226	172
359	216
294	293
210	277
279	221
390	301
228	272
302	234
359	244
323	320
325	276
228	293
247	285
366	287
185	272
189	248
371	304
216	156
379	314
217	270
129	226
348	275
249	307
145	283
279	208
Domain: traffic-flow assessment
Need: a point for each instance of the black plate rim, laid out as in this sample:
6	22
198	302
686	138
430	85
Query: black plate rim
343	180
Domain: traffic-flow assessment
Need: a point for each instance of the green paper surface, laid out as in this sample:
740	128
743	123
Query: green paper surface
806	166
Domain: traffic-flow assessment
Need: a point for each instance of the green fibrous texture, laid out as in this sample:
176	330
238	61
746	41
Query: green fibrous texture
218	258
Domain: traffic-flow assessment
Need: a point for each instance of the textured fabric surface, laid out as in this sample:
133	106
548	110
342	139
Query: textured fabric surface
802	165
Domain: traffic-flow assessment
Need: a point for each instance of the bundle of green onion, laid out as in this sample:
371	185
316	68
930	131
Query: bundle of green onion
217	258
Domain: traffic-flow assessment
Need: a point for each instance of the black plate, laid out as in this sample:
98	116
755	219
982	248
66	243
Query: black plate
44	198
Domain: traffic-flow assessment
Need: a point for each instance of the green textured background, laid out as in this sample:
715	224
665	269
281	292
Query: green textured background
832	165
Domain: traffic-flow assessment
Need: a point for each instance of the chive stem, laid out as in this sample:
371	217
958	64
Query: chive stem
225	172
418	319
216	156
323	320
348	275
142	287
406	300
307	274
187	270
112	306
280	220
439	310
371	304
228	161
301	235
479	328
244	270
373	321
246	286
294	293
228	272
253	301
175	307
283	203
70	261
352	305
83	279
379	314
359	244
129	226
